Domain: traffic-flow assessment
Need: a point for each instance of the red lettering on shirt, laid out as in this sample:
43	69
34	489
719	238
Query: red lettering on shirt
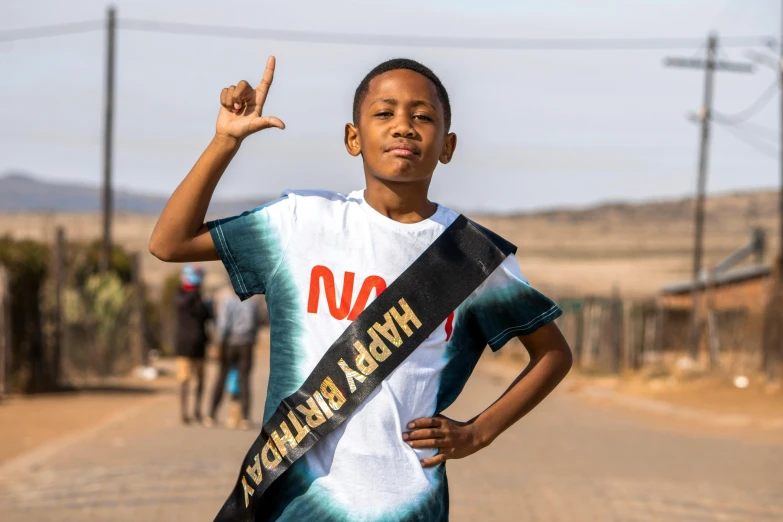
344	309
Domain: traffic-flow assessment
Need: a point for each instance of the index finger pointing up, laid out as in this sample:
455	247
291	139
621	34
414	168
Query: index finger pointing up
266	82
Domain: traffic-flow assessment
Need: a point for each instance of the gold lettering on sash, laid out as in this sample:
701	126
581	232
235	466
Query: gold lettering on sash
407	317
248	491
254	471
313	414
332	393
389	330
322	403
266	451
364	361
378	348
287	438
350	375
301	431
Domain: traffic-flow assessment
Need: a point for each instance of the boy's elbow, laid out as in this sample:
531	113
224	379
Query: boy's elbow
569	363
161	250
566	359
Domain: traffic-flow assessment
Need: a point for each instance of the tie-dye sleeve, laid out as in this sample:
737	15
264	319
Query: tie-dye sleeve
252	245
505	306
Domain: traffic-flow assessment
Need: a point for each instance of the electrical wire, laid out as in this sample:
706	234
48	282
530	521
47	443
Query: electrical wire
759	130
762	147
51	30
542	44
754	108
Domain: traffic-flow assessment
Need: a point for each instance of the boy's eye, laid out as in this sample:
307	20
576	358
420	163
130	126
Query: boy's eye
384	114
422	117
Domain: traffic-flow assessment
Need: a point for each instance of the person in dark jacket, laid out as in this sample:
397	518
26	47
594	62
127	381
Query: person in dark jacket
191	343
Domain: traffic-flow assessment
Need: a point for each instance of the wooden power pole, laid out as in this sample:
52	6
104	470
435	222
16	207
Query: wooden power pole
108	131
772	348
709	65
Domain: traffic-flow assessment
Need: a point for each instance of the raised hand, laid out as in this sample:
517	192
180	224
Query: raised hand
241	106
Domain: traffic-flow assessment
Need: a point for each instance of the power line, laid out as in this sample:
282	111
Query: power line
759	130
541	44
51	30
762	147
754	108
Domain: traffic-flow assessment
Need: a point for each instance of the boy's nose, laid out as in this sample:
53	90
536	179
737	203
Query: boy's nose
403	128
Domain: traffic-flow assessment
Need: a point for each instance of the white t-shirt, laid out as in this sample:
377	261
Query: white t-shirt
320	258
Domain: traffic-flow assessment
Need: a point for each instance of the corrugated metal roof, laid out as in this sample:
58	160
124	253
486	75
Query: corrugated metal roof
737	275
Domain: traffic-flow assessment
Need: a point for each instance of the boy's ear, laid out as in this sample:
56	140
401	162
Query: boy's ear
352	142
449	145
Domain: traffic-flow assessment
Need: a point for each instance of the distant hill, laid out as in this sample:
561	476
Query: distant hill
25	193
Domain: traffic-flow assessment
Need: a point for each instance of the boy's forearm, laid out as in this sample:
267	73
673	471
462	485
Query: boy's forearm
179	233
540	377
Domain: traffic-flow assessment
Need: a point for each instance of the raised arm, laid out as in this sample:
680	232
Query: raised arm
180	234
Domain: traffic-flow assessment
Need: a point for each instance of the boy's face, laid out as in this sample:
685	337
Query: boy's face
401	133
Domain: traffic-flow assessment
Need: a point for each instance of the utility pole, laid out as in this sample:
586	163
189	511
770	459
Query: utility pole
710	65
773	312
108	131
779	282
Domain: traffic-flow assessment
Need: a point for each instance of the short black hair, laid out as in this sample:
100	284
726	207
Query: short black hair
396	64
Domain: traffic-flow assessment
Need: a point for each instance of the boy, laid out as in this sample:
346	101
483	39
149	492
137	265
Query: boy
385	462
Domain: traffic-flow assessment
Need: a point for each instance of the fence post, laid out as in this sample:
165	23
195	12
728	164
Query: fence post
660	325
579	336
595	332
139	352
59	279
628	332
616	314
587	336
5	330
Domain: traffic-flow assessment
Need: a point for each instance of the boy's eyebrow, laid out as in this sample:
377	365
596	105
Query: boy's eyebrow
392	101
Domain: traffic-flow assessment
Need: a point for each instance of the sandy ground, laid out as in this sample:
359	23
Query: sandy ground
31	421
575	458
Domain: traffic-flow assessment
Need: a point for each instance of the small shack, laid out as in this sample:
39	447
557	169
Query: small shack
745	288
730	301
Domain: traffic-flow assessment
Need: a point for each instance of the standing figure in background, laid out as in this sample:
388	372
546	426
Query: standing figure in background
236	331
192	316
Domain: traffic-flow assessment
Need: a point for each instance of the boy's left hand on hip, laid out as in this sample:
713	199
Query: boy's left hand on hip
452	439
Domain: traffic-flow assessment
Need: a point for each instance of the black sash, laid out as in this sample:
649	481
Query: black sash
378	341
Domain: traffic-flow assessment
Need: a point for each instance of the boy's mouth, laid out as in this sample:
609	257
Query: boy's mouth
403	149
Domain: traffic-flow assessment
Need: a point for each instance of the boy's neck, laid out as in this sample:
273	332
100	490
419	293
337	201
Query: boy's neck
402	202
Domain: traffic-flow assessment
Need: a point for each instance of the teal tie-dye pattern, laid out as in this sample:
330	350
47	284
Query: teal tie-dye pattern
293	498
286	350
512	310
491	317
462	353
253	250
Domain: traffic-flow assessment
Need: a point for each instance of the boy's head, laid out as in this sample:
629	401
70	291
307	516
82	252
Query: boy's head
401	120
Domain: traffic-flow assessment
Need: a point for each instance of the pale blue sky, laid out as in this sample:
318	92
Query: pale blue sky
536	128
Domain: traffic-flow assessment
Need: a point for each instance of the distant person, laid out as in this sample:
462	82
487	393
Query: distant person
236	331
191	342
